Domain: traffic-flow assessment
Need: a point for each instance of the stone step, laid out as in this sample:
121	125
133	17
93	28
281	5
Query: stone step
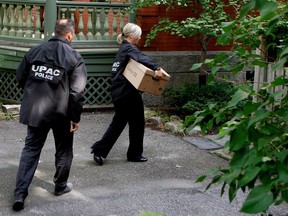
11	109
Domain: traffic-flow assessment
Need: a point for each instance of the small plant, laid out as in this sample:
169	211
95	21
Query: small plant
144	213
188	99
6	116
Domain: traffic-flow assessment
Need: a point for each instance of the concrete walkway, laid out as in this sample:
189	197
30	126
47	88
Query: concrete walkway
165	184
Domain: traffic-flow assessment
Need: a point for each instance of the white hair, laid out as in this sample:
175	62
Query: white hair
130	29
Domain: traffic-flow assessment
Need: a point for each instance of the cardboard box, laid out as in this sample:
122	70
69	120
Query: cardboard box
142	78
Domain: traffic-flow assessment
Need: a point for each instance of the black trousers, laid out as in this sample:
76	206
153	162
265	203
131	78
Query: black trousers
129	109
34	142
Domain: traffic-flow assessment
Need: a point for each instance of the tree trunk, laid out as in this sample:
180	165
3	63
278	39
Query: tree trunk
204	40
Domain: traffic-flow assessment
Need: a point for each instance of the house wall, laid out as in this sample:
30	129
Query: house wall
148	17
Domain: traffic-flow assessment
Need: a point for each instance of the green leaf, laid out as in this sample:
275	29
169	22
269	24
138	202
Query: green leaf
266	8
283	114
215	179
207	61
283	172
246	8
196	66
250	174
281	155
279	64
284	52
220	56
228	26
238	67
223	189
237	37
250	107
258	200
266	159
224	39
272	23
214	70
232	191
263	141
144	213
237	97
201	178
278	81
239	138
269	129
259	115
253	158
259	63
284	194
232	175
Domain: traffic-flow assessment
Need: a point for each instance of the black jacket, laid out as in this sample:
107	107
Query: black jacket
53	76
120	86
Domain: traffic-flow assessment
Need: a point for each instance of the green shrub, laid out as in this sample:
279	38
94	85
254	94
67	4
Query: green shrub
188	99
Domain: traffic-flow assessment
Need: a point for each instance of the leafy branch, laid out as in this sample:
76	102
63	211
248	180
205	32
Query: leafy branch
258	128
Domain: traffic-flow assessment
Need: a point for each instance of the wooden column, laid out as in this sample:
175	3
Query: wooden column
50	17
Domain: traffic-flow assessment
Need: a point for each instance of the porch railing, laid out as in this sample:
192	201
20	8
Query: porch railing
33	21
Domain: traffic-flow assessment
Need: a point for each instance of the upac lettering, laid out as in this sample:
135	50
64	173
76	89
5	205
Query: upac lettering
44	69
46	73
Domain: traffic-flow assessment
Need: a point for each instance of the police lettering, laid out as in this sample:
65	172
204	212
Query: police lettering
115	66
45	72
44	76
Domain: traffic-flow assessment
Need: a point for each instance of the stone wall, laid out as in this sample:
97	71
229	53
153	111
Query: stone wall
178	65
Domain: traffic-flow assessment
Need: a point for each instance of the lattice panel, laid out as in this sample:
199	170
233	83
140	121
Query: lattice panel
9	87
98	90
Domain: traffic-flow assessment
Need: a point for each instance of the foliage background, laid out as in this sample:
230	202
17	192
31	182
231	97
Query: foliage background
258	128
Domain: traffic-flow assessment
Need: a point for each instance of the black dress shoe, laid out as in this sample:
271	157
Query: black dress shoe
67	189
98	160
18	205
138	159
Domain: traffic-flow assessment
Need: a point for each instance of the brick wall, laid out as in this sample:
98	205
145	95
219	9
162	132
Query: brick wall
147	17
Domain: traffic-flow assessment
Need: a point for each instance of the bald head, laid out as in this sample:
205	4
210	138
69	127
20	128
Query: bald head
63	27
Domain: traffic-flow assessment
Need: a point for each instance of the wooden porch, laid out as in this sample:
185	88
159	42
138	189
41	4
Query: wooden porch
25	23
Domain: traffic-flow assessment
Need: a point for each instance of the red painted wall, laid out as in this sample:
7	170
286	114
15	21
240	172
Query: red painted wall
147	17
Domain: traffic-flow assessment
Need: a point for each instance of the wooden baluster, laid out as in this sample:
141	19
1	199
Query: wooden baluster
72	12
89	24
5	21
106	25
1	17
63	13
81	25
28	33
115	24
98	35
20	32
122	16
93	20
68	14
37	23
12	31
